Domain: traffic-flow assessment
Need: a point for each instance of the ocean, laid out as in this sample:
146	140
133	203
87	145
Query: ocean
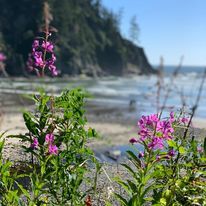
140	92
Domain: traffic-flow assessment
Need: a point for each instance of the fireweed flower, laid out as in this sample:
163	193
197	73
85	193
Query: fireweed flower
35	45
49	138
184	120
200	149
156	143
133	140
158	157
48	46
154	132
171	153
42	57
53	70
2	57
38	59
53	149
35	143
141	154
172	117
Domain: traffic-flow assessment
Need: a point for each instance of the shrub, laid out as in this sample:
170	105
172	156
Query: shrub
55	141
170	169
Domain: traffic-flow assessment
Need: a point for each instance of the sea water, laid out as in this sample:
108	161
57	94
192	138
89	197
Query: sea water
141	91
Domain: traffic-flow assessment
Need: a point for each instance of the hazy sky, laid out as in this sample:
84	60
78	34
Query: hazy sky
170	28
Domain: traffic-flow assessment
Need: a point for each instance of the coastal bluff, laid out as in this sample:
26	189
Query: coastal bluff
87	38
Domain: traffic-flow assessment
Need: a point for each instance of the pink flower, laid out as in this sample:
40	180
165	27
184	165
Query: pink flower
39	62
165	128
157	143
172	117
51	60
35	143
53	70
141	154
154	132
48	46
53	149
200	149
37	54
140	123
49	138
158	157
2	57
35	44
171	153
133	140
153	118
38	59
184	120
144	133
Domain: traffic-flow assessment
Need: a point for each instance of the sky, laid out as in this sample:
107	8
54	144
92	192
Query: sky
168	28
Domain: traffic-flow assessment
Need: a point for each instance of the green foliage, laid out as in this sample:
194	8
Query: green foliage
54	177
160	179
8	193
205	146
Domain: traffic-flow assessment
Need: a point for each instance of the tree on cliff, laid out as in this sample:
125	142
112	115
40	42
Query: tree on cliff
134	30
88	40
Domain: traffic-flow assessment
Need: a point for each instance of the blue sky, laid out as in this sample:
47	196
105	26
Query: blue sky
168	28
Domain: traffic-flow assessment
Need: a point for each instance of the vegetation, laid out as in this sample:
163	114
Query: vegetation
55	143
170	168
168	171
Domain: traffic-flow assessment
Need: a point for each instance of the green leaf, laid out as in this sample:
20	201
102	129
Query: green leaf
24	191
108	204
42	121
134	159
181	150
92	132
204	145
132	186
163	201
131	171
30	124
172	143
125	186
146	190
133	201
1	146
122	200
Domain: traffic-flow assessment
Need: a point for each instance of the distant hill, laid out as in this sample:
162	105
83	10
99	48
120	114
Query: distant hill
88	39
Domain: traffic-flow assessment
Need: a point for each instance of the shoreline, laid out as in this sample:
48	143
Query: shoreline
113	126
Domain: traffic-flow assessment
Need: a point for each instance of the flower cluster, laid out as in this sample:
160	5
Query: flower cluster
2	57
49	139
52	148
154	132
42	57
